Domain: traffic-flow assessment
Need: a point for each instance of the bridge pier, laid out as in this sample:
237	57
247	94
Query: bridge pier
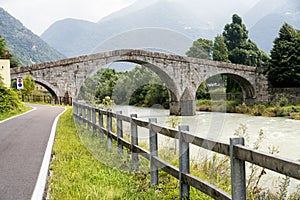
186	106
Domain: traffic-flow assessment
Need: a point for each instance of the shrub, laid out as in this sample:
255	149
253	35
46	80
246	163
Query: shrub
283	101
243	108
258	110
9	100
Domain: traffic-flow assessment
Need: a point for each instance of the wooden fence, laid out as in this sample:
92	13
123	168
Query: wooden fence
239	154
47	99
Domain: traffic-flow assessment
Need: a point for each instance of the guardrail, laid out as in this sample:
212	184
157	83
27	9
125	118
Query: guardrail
93	118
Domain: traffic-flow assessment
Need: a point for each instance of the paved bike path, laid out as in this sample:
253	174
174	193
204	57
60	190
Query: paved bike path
23	141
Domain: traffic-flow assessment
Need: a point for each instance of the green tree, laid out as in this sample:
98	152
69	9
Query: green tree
4	53
235	34
220	51
202	48
284	66
241	49
107	79
29	85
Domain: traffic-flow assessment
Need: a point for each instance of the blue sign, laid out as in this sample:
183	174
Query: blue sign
20	85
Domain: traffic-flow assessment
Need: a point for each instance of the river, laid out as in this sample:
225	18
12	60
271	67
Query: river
280	132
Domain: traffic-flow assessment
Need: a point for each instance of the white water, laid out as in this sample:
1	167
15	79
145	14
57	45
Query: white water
280	132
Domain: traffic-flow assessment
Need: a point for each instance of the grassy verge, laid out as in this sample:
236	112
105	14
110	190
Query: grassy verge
78	175
12	113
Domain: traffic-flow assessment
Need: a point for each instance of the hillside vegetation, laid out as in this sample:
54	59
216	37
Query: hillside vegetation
25	45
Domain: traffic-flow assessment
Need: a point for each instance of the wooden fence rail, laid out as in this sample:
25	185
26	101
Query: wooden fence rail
47	99
238	153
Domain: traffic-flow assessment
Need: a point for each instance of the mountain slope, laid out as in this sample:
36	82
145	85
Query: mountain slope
73	37
25	45
192	18
163	14
267	27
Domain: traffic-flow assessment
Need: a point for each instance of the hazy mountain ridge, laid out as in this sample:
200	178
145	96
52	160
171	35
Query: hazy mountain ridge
191	18
73	36
267	27
25	45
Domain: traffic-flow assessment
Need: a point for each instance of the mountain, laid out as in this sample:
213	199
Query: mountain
73	37
146	23
187	18
266	25
25	45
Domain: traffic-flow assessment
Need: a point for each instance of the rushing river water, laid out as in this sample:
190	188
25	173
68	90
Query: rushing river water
279	132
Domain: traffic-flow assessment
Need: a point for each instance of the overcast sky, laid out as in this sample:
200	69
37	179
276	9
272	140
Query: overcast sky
38	15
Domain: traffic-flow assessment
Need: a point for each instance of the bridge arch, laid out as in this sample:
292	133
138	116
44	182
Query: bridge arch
49	87
166	79
247	87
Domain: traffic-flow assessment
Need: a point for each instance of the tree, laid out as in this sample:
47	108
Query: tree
284	66
4	53
235	34
29	85
241	49
202	48
220	51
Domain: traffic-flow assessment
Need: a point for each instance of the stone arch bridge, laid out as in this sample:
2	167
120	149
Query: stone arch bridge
181	75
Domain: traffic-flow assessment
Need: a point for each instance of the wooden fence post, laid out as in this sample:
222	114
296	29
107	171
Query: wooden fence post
153	152
94	120
75	108
134	141
100	119
81	114
109	128
119	132
238	172
85	115
89	113
184	162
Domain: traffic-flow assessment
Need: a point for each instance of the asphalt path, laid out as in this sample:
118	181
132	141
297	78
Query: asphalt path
23	141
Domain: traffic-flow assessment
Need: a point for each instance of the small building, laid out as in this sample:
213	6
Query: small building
5	71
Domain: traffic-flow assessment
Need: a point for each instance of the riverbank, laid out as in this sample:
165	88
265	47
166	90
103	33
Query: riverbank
280	109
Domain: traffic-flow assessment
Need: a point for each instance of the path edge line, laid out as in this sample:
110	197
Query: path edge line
5	120
40	185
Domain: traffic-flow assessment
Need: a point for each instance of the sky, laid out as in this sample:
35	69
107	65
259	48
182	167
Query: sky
38	15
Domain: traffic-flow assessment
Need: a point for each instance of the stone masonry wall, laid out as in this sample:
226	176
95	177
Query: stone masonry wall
292	94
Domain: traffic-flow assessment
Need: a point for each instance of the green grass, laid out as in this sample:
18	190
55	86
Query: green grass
12	113
78	175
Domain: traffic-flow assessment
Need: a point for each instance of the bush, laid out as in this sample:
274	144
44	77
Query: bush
243	108
258	110
9	100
